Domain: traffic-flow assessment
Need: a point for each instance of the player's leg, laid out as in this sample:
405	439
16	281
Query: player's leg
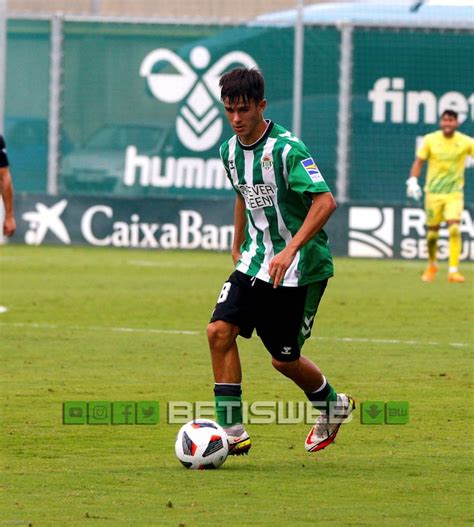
224	352
432	237
334	407
286	316
453	212
229	319
289	316
434	215
227	384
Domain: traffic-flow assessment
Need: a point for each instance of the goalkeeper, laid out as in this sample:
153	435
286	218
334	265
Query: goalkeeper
446	151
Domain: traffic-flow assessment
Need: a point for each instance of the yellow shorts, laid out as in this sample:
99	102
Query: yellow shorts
443	207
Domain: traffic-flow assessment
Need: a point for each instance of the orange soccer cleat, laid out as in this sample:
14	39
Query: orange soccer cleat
430	274
456	277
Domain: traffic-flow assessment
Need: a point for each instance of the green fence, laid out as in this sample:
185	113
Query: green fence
402	81
140	115
27	100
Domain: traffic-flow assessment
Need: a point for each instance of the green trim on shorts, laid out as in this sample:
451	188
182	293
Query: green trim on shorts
313	299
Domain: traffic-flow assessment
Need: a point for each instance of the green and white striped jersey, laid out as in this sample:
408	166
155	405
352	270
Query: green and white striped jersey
276	177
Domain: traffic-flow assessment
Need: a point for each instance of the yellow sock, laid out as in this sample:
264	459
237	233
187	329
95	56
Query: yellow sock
433	245
454	245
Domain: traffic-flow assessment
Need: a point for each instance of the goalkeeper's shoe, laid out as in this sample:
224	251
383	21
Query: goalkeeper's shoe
430	274
327	426
456	277
239	440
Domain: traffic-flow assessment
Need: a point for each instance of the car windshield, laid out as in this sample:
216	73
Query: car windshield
118	138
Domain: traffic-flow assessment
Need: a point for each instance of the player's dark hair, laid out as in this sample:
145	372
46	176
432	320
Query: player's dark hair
242	83
450	113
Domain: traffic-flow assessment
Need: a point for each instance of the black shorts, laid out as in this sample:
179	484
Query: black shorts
282	317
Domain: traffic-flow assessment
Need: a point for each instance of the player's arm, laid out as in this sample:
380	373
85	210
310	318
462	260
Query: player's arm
240	220
413	187
6	190
322	207
416	167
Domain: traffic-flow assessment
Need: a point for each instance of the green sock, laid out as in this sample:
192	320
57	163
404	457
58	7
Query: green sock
326	393
228	410
228	400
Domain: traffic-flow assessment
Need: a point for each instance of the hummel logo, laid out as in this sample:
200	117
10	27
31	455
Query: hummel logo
46	219
307	325
286	350
198	124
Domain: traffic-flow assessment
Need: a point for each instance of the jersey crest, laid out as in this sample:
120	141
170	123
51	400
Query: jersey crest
267	162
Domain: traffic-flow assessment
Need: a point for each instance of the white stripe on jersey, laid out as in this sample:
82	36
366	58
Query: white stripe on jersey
231	161
268	176
246	257
260	220
284	155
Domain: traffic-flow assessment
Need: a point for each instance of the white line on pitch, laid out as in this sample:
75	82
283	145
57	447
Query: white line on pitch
100	328
393	341
190	332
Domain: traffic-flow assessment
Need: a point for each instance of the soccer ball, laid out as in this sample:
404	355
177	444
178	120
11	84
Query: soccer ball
201	444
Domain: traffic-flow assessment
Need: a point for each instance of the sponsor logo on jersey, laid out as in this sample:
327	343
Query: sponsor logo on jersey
267	162
258	196
313	171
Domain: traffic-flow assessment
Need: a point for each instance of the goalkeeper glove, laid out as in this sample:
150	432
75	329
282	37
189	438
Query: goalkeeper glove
413	188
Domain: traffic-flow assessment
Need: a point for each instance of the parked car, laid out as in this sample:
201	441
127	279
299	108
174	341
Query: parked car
98	165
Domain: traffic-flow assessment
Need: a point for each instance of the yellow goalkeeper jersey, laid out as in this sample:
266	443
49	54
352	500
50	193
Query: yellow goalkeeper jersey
446	161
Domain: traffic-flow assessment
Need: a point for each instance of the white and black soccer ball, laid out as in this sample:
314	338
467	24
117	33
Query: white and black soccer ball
201	444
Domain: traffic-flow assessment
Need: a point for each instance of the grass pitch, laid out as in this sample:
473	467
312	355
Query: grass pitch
97	324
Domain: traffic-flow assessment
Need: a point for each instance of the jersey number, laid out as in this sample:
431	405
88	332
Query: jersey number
224	293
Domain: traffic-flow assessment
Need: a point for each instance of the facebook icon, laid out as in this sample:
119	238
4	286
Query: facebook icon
123	413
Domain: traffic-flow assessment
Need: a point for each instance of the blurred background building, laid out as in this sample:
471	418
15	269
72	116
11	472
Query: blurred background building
242	10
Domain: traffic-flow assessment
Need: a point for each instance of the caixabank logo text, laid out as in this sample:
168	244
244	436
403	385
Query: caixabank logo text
108	225
400	232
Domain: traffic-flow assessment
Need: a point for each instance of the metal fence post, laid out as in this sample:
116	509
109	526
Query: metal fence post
54	131
344	114
298	67
96	7
3	56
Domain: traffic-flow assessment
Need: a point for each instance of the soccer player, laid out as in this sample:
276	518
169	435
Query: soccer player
6	190
446	151
282	260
